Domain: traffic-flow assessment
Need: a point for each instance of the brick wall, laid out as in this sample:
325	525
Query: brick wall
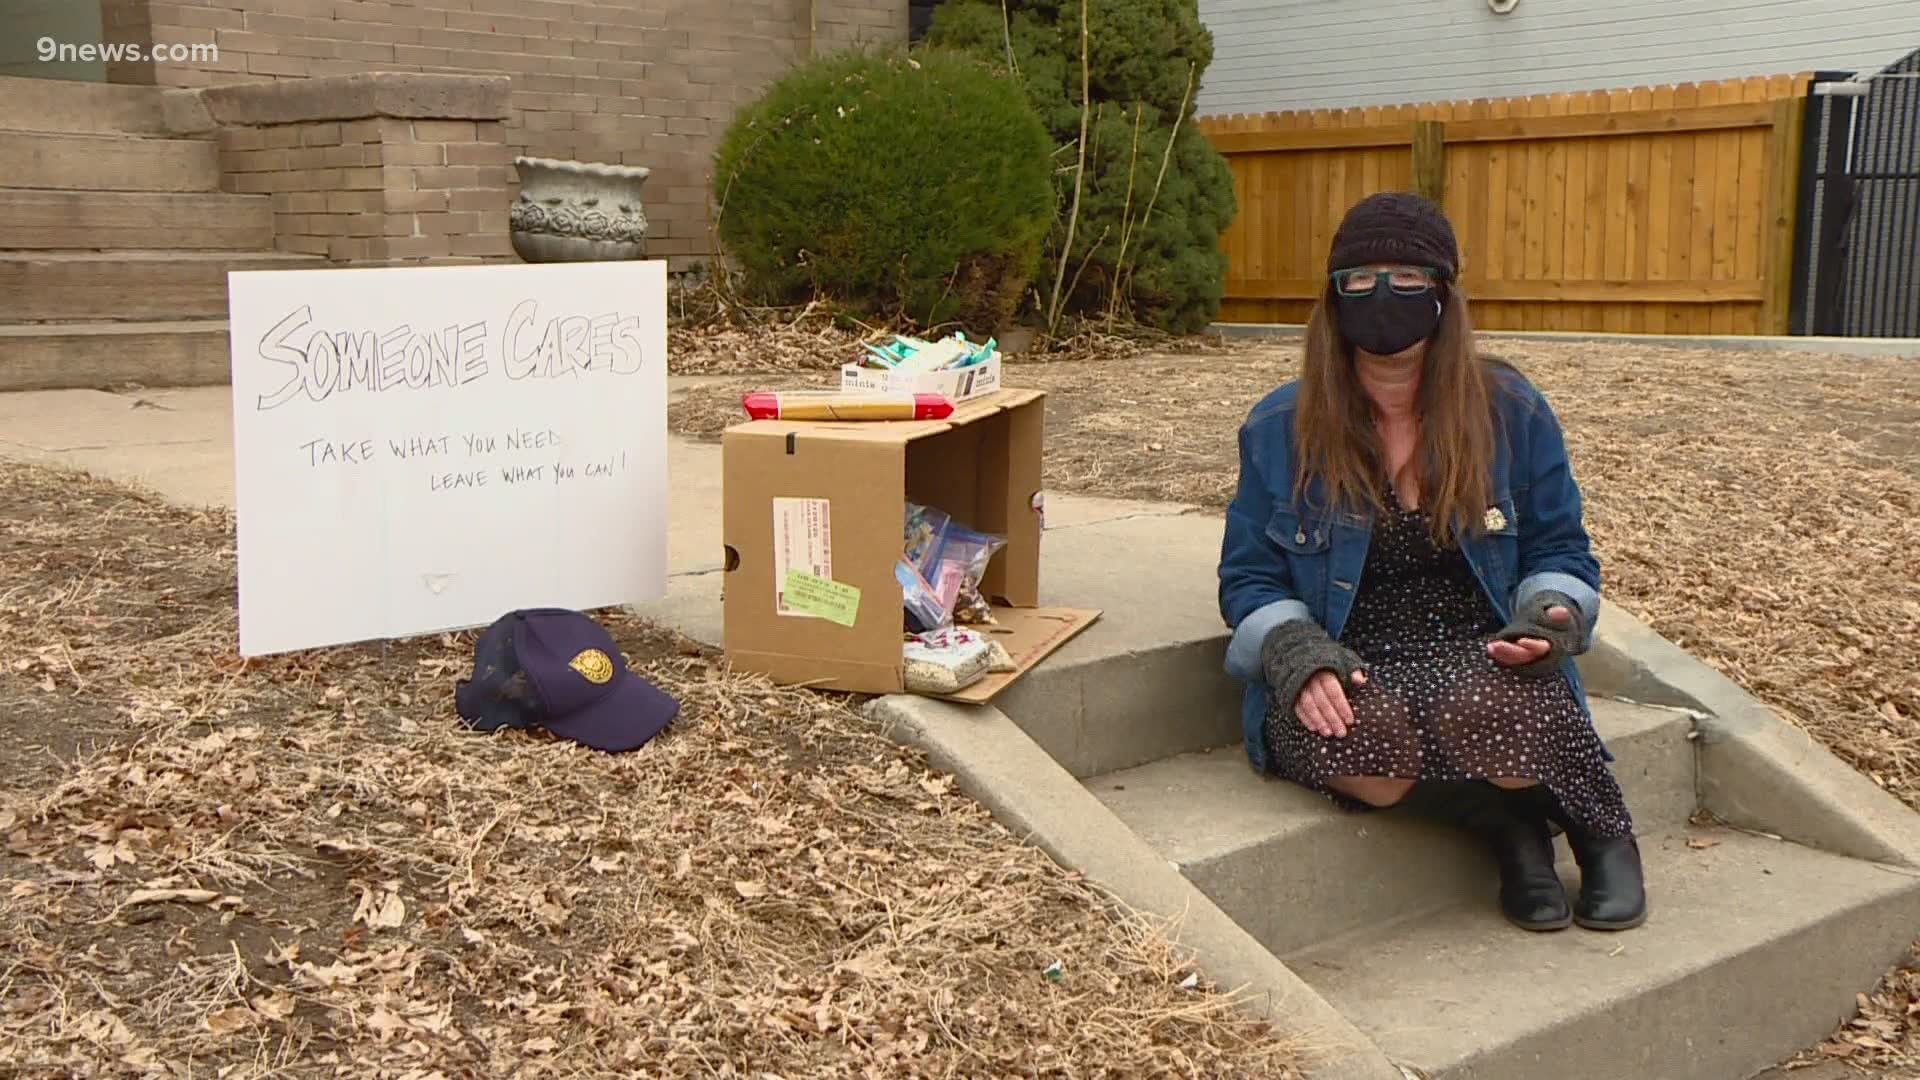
640	82
384	189
127	22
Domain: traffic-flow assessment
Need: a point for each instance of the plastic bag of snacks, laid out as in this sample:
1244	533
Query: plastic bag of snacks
940	568
946	661
925	535
972	551
926	530
918	596
999	659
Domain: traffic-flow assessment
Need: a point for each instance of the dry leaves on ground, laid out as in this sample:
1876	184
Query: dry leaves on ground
712	337
304	864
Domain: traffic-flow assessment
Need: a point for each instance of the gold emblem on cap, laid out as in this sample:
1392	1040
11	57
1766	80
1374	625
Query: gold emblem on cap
593	666
1495	519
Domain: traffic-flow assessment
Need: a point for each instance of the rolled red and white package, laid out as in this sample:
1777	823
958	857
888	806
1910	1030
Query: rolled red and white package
830	405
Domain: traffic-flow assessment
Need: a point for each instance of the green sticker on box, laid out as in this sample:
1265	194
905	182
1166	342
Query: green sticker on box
830	600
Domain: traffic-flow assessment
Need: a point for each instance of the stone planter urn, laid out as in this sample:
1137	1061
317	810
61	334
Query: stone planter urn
578	211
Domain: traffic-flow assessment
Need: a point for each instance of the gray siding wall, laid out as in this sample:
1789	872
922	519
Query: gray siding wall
1275	55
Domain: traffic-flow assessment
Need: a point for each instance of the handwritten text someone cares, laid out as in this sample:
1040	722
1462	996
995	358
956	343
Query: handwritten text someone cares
340	361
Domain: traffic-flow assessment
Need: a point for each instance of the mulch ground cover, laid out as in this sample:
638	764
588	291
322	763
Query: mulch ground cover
306	866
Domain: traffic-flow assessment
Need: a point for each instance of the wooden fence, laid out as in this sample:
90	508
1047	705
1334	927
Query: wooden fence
1655	210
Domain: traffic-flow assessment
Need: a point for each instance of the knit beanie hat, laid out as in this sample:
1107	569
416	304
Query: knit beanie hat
1395	227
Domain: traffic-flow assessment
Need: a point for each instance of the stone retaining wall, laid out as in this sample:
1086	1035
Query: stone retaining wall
373	169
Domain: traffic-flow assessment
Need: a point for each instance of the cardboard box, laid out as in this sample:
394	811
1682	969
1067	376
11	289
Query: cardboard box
959	385
830	499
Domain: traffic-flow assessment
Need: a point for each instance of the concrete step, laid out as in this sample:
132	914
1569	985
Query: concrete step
1131	690
127	285
109	220
37	159
66	106
1294	870
74	356
1753	949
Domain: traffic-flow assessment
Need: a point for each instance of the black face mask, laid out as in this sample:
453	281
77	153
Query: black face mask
1386	322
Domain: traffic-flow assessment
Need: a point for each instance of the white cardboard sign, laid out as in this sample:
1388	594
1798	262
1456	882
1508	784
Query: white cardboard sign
419	449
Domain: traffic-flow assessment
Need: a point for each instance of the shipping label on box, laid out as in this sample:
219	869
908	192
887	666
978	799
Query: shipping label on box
803	541
960	384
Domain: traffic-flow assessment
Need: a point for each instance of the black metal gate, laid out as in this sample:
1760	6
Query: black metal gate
1857	270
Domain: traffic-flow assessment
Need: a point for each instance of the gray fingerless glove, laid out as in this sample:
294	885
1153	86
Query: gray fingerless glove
1530	620
1295	650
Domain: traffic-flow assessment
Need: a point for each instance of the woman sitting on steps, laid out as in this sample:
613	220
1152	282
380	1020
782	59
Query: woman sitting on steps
1408	579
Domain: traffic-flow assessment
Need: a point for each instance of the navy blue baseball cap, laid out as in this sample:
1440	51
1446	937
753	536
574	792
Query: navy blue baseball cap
560	670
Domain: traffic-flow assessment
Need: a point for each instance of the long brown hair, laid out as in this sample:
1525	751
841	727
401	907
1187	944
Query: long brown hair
1338	443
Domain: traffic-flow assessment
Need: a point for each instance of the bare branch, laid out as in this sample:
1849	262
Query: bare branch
1079	175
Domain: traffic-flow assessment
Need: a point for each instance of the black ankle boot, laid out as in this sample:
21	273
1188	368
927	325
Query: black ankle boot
1530	889
1613	888
1531	895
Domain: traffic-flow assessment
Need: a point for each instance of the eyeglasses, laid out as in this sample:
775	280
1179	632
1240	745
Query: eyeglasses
1365	281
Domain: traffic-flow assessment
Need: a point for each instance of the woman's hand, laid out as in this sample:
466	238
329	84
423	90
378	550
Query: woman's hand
1303	666
1322	706
1519	651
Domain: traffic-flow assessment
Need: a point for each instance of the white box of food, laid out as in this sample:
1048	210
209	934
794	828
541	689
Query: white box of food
959	384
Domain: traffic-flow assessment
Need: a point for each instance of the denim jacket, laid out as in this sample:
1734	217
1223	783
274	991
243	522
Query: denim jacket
1284	560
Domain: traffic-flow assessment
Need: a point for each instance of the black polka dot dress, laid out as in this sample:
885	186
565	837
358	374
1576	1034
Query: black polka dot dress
1435	705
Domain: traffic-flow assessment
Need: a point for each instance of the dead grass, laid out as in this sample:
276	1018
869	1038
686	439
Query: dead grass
305	865
712	332
812	343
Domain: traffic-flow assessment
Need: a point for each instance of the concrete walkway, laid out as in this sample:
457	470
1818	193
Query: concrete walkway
179	445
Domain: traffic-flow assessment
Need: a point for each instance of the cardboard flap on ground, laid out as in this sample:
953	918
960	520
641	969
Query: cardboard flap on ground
832	496
1029	635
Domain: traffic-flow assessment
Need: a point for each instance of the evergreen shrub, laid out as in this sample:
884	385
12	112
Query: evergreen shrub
1160	250
898	186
